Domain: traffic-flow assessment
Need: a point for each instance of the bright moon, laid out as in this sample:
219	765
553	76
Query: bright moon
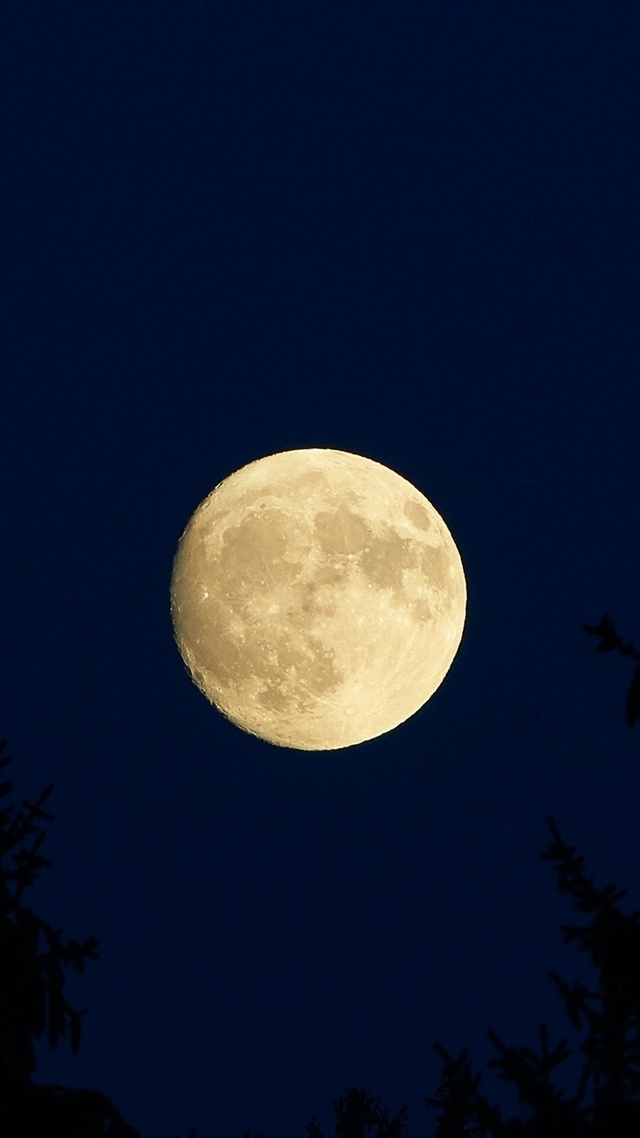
318	599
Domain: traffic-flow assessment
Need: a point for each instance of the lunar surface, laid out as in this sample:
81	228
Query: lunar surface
318	598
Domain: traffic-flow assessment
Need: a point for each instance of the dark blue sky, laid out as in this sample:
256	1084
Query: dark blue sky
404	230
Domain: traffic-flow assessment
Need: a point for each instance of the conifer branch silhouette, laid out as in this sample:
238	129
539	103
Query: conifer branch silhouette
357	1114
606	1101
34	958
611	641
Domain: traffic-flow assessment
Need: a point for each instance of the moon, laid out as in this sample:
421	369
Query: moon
318	599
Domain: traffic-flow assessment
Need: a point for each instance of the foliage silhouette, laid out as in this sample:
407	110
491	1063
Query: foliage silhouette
606	1102
34	958
358	1115
610	641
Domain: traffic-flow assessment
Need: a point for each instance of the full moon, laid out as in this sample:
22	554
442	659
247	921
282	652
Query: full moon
318	599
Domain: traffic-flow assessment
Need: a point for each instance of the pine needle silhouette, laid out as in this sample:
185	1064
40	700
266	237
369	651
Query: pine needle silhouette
34	958
357	1114
606	1101
611	641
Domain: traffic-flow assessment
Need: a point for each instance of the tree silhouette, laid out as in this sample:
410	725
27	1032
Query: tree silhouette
34	958
357	1114
606	1101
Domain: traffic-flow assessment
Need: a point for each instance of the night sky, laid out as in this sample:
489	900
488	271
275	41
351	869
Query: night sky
406	230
